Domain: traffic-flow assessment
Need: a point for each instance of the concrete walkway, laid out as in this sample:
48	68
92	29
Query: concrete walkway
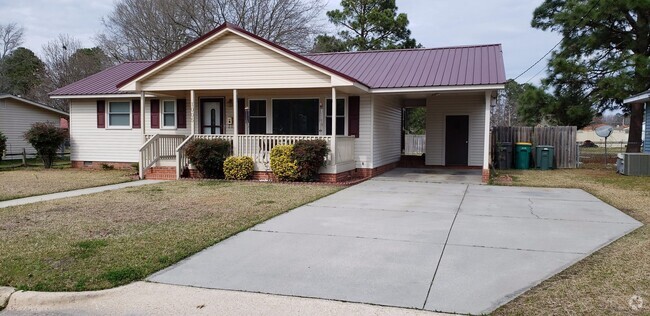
448	247
61	195
144	298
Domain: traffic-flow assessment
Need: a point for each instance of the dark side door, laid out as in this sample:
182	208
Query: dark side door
456	140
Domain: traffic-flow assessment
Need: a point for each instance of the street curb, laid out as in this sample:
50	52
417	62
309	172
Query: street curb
5	294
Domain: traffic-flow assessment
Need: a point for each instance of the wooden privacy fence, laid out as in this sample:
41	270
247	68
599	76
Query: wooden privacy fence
563	138
414	144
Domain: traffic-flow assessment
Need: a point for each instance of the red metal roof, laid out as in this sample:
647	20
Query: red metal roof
408	68
104	82
427	67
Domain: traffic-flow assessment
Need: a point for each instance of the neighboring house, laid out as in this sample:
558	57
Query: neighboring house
620	134
16	117
234	85
645	99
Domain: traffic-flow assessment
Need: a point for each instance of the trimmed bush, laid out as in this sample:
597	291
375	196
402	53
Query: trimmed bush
3	145
284	167
46	138
310	157
238	168
208	156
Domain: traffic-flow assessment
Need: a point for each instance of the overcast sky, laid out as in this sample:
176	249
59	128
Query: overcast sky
434	23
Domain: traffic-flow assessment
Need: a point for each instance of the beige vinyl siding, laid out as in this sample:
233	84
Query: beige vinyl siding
16	118
387	126
438	107
234	62
363	154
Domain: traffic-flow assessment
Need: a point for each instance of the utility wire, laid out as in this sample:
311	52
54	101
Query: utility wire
554	46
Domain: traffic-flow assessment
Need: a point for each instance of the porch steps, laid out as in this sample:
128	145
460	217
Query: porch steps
160	173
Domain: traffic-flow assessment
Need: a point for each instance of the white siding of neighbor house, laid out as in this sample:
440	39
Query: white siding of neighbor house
233	62
387	114
438	107
16	118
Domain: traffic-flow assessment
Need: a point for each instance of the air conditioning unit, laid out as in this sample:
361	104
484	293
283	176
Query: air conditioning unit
635	164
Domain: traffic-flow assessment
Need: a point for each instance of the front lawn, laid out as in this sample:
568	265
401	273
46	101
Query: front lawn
107	239
611	281
29	181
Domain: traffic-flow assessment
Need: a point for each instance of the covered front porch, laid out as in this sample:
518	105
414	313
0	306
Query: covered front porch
253	121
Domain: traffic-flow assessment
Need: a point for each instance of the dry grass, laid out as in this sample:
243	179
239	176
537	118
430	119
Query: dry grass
603	283
23	182
112	238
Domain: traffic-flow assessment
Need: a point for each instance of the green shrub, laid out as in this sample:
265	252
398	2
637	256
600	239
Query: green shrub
3	145
46	138
208	155
282	165
238	168
107	167
310	157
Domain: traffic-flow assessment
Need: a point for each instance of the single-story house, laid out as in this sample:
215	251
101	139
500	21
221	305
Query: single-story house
16	117
644	98
234	85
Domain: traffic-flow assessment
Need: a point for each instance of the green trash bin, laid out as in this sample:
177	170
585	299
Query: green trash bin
544	157
522	155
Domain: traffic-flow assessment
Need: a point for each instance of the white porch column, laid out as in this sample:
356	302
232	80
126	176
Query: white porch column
143	128
192	112
486	137
333	149
235	124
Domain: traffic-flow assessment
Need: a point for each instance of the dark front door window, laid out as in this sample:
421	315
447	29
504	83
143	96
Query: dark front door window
456	140
211	116
295	117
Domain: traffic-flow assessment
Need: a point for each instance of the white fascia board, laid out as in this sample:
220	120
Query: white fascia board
643	97
439	89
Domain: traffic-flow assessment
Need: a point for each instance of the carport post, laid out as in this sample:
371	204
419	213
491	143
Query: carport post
333	145
486	137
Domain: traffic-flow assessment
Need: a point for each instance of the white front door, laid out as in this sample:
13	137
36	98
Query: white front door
211	120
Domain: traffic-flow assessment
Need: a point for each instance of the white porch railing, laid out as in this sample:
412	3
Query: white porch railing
259	148
158	147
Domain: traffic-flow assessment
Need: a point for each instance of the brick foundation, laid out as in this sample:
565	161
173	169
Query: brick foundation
160	173
96	165
486	175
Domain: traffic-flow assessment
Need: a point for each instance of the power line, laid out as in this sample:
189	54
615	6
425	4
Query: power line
555	46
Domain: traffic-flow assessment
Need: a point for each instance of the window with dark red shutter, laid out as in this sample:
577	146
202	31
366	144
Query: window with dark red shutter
155	113
101	114
353	115
135	109
181	116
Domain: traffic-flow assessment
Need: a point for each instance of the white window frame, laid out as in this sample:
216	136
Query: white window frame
266	117
345	114
162	114
108	115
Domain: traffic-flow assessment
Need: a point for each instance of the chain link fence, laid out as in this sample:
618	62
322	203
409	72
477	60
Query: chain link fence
599	152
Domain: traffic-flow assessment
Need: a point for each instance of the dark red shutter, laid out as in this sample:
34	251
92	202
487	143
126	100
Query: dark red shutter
241	116
353	116
155	113
135	117
181	113
101	114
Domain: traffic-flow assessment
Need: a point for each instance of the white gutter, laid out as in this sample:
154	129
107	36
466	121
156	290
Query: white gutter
439	89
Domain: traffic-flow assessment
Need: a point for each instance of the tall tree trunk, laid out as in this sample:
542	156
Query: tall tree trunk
636	123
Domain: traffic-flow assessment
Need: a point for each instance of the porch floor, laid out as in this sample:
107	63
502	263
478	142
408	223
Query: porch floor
433	175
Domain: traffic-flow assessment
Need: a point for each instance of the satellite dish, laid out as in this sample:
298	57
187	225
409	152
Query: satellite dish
604	131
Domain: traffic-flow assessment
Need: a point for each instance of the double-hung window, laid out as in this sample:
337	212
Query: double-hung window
340	117
119	114
257	117
169	114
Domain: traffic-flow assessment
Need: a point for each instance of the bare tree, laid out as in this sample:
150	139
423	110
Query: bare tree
152	29
11	37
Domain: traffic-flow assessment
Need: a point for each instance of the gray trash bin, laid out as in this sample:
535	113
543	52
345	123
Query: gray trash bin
504	156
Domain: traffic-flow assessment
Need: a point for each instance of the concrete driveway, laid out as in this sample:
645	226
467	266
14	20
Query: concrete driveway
447	247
